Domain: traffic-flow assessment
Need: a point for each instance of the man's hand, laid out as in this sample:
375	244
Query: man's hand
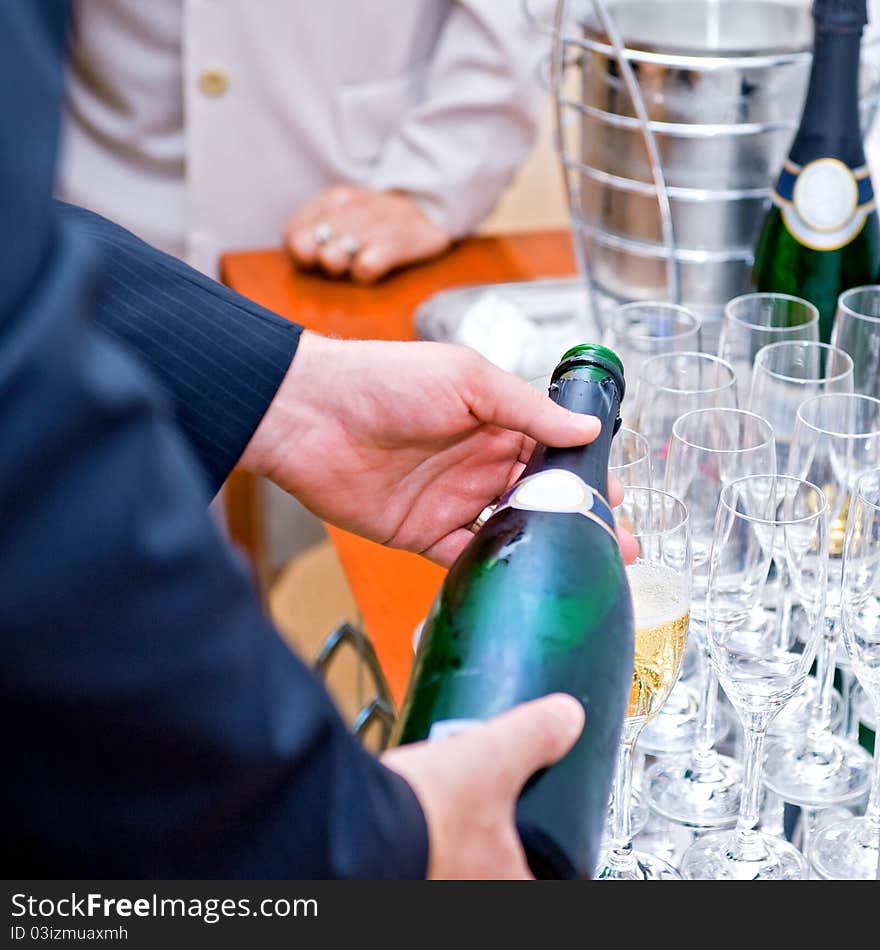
405	443
468	785
361	232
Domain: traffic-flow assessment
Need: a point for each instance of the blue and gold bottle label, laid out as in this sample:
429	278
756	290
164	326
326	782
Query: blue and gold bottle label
824	203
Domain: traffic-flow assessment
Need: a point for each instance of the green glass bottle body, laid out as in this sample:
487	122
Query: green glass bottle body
821	235
538	603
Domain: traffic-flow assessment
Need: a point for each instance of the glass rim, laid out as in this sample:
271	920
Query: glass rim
811	308
800	379
843	305
695	321
771	437
678	503
704	357
813	516
860	491
643	442
853	397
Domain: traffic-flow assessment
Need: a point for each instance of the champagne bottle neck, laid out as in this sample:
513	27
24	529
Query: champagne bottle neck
830	125
596	397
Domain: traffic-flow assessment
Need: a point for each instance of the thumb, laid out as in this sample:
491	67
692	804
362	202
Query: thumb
534	735
500	399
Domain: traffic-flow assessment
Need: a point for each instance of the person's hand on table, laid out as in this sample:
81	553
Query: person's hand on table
406	443
468	784
361	232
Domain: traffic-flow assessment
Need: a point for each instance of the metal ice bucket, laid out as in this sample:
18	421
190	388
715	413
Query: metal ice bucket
686	111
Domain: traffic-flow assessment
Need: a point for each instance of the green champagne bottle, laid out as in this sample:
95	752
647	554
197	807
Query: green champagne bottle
821	235
538	603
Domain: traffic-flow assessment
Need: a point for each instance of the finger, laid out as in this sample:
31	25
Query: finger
501	399
378	257
532	736
302	245
300	237
629	547
447	549
335	257
615	490
398	247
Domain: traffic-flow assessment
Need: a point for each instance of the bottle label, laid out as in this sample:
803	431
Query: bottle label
561	491
825	203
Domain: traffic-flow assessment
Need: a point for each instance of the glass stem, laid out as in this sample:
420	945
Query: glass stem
847	684
872	811
620	856
820	725
748	846
704	753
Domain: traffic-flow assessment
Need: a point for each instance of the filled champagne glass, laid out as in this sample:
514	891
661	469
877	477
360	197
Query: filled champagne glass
669	386
660	582
764	524
836	439
710	448
850	849
754	320
857	331
630	463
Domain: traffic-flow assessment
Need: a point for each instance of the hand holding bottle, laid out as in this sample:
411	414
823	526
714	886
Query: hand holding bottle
406	443
468	785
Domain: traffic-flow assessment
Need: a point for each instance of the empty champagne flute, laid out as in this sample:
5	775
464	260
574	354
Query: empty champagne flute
850	849
754	320
785	375
764	524
710	448
671	385
637	331
857	331
660	582
630	458
836	439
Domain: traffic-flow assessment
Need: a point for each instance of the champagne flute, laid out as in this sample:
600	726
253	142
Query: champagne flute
850	849
710	448
754	320
857	331
630	458
763	523
640	330
668	387
785	375
836	438
672	384
788	373
660	582
630	462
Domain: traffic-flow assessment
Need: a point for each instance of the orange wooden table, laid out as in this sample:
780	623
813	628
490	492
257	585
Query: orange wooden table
393	589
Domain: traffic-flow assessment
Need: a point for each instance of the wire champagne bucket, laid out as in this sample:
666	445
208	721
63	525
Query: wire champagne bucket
671	130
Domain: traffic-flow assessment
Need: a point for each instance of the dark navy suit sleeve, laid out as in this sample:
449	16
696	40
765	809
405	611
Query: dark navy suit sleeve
154	723
218	356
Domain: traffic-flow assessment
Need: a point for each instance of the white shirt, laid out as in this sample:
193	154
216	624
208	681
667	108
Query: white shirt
202	125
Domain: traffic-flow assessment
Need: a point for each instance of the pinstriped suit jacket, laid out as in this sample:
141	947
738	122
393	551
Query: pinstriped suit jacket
154	723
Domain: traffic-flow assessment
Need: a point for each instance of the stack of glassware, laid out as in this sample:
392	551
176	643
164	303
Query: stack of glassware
752	483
